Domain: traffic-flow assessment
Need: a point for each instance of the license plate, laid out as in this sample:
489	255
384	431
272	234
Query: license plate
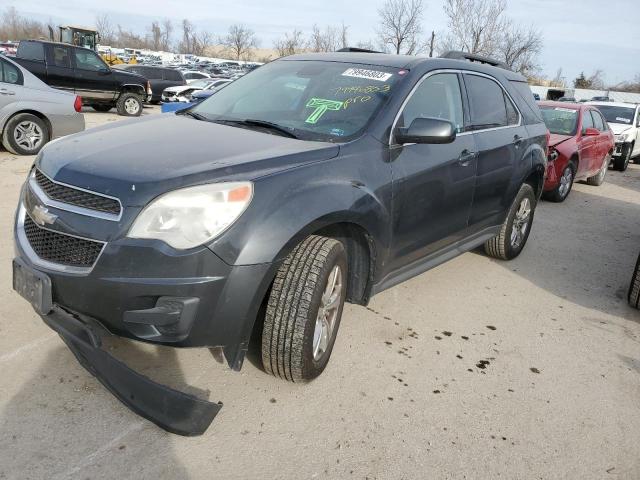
33	286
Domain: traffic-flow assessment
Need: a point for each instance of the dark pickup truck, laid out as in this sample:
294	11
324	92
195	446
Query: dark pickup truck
83	72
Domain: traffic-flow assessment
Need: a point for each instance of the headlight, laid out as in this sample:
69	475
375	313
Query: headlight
553	154
192	216
622	137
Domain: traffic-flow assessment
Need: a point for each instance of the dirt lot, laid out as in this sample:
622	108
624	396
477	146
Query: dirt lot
405	394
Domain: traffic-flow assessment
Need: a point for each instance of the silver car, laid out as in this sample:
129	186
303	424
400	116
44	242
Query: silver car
31	112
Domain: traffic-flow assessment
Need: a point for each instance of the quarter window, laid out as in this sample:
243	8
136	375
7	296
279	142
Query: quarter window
438	96
488	106
512	113
587	121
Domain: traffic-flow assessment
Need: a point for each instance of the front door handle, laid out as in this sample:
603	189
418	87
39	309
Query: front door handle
4	91
466	157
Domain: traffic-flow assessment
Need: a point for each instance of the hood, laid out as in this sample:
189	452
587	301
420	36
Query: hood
139	159
619	128
125	76
556	139
181	88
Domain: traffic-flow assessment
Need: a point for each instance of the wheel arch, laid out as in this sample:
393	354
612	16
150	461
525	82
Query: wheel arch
36	113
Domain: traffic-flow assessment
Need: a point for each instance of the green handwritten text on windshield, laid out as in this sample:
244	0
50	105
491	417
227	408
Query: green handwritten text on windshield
321	106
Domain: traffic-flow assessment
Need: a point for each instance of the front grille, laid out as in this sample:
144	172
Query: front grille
60	248
76	197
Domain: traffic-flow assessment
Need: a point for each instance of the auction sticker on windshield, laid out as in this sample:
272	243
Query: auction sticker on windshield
368	74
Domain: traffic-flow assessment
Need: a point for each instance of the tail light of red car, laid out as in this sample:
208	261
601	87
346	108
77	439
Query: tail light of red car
77	105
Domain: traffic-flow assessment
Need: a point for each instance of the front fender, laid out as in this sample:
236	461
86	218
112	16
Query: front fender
291	205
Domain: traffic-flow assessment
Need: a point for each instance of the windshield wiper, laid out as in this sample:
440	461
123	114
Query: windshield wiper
195	115
260	123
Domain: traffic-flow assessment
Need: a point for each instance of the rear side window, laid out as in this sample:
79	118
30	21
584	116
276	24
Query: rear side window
152	73
523	96
10	74
173	75
31	51
436	97
60	56
488	108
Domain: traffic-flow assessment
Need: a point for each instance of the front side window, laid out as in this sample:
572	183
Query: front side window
487	100
314	100
88	60
438	96
587	121
597	121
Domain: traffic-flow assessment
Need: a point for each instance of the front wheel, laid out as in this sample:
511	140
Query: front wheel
304	310
621	162
129	105
561	192
515	230
25	134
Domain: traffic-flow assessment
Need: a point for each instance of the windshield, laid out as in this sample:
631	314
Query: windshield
323	101
613	114
561	121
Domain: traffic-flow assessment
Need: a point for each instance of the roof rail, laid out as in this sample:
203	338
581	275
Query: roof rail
472	57
357	50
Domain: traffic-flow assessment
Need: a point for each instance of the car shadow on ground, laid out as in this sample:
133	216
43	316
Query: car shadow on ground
627	179
590	244
63	423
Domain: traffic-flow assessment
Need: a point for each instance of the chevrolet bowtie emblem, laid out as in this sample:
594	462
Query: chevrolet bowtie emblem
41	215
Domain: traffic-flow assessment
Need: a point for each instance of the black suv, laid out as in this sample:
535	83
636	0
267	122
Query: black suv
315	180
83	72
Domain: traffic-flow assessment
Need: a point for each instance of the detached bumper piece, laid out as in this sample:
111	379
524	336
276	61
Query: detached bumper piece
170	409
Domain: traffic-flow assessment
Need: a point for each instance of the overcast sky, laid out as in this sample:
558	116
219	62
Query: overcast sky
582	35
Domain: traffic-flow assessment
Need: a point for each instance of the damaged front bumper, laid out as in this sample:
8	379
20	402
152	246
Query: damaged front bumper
170	409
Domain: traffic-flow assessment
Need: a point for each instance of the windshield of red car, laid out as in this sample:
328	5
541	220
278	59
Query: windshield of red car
561	121
613	114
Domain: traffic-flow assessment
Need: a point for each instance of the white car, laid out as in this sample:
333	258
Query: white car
182	93
192	75
624	120
31	112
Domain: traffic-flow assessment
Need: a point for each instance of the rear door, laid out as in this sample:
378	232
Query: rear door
602	143
11	89
60	72
501	141
587	146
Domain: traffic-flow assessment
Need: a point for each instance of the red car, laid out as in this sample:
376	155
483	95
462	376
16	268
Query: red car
580	147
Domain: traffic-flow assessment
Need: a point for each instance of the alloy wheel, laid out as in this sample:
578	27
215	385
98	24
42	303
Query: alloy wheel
131	106
565	182
28	135
327	313
521	223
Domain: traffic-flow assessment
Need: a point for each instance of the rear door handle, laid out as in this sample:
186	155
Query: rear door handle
466	157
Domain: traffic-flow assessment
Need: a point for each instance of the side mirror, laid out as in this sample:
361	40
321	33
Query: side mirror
591	132
427	130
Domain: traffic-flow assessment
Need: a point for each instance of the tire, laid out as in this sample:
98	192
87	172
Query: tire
129	105
101	107
598	178
291	346
622	162
503	245
562	191
634	288
25	134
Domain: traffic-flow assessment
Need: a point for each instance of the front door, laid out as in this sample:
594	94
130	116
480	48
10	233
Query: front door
94	79
587	146
432	183
60	67
501	140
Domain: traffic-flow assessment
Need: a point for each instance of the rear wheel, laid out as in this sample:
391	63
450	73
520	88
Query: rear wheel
515	230
634	288
598	178
129	105
304	310
101	107
25	134
622	162
561	192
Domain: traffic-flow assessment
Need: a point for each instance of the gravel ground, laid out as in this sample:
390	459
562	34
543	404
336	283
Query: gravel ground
477	369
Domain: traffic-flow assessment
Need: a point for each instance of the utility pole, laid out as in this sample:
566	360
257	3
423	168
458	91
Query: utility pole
433	41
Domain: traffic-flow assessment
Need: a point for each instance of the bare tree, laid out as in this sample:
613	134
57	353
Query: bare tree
475	26
240	41
13	26
105	29
558	80
167	26
188	32
290	44
400	25
327	40
344	38
519	47
200	42
156	35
